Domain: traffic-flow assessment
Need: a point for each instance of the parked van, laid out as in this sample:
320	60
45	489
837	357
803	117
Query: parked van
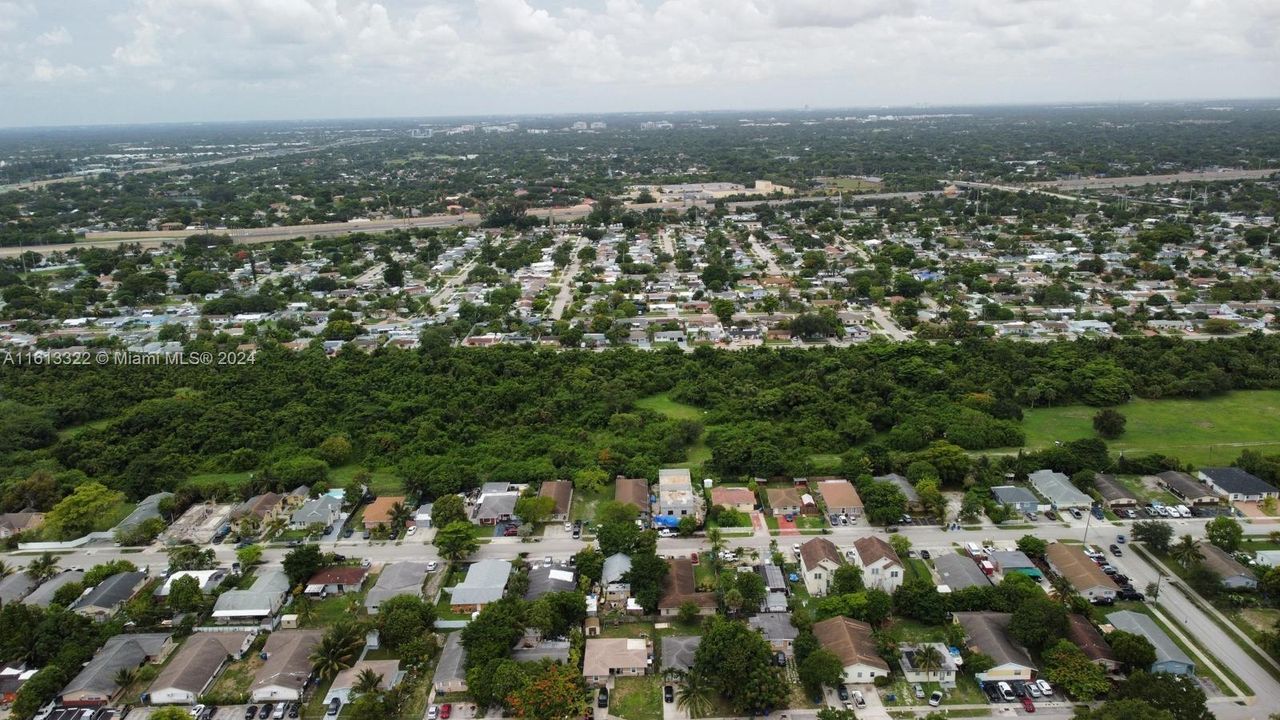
974	550
1184	511
1006	692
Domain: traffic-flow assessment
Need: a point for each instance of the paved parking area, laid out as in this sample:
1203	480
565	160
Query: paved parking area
225	712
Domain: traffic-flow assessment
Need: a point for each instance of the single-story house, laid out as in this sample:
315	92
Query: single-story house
494	507
881	566
485	582
680	587
776	627
12	677
209	580
144	511
1058	490
422	516
1267	558
1169	657
1013	561
261	601
819	559
852	641
194	666
324	510
1230	571
632	491
345	680
15	587
840	497
399	578
1115	494
774	580
1084	575
678	651
378	512
1016	497
1188	488
904	485
451	672
784	500
736	498
1082	633
341	579
560	491
548	579
957	572
288	665
616	590
43	595
988	633
606	658
1237	485
102	602
13	523
909	660
95	685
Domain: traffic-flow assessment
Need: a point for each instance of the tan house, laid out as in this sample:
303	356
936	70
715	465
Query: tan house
851	641
680	587
840	497
606	658
561	491
13	523
737	498
819	559
1083	574
287	667
784	500
378	512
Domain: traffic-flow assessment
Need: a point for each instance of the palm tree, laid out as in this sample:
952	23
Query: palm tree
695	694
5	570
302	606
366	682
43	567
1186	551
716	538
276	526
399	516
338	649
927	658
1060	589
125	677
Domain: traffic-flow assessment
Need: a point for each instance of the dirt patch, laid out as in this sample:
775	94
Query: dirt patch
1264	620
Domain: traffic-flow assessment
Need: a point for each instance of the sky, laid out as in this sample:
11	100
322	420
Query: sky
80	62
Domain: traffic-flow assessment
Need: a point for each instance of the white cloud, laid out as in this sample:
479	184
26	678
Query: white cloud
56	36
44	71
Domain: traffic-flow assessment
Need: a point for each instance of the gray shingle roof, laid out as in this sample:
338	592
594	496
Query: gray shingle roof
43	595
402	578
147	509
958	571
615	566
121	651
1139	624
114	590
15	587
989	633
1235	480
484	583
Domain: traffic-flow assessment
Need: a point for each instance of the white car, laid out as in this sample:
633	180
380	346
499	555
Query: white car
858	700
796	548
195	711
664	532
1045	687
431	566
413	529
433	712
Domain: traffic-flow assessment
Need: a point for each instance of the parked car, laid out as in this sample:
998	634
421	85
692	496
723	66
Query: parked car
1120	539
1045	687
346	534
891	529
295	708
918	689
433	713
197	710
842	692
1028	705
281	709
858	700
577	533
445	711
924	555
367	535
603	701
780	659
668	693
265	711
432	566
1115	550
251	712
510	531
412	529
1006	692
666	533
936	698
1075	513
1033	689
1051	514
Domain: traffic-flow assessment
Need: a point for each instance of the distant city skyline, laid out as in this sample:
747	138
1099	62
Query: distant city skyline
89	62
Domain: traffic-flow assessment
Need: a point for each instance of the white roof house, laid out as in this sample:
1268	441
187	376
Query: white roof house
1058	490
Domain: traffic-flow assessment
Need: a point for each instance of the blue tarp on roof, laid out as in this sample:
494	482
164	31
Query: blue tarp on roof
666	520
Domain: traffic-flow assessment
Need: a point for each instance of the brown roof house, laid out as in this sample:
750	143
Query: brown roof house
784	500
681	587
378	512
95	685
13	523
632	491
1084	575
881	566
195	665
819	559
259	509
737	498
336	580
562	492
840	497
288	665
606	658
852	642
1082	634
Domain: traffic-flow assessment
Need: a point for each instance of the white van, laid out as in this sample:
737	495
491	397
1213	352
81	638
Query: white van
1006	692
974	550
1184	511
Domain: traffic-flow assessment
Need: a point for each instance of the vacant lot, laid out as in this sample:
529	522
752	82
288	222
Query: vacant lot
637	698
699	453
1201	432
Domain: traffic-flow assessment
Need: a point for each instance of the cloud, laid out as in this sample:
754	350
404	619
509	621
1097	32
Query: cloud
56	36
44	71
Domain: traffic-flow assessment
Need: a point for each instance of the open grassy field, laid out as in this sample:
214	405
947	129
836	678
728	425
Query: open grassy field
637	698
699	453
1201	432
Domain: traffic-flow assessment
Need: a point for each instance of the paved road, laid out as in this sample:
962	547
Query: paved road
566	281
445	293
888	324
766	255
1140	180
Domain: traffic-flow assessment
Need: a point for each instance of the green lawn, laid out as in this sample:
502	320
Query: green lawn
919	568
637	698
826	462
233	685
1200	432
330	610
383	481
699	453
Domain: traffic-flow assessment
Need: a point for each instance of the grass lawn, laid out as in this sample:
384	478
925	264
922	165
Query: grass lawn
627	630
233	479
330	610
443	611
966	692
637	698
825	461
919	568
1201	432
232	686
585	503
912	631
113	518
383	482
699	453
315	707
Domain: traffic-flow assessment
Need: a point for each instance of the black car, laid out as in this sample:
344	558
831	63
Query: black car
265	711
1115	550
842	692
1019	690
348	533
577	533
924	555
293	709
367	534
668	693
780	659
334	706
603	701
339	558
251	712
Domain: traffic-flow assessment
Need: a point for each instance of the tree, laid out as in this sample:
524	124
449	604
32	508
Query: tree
456	541
535	509
688	612
821	668
5	570
736	660
81	511
687	526
43	567
367	681
191	557
334	450
494	631
1154	534
1038	622
302	562
901	545
404	618
617	531
448	509
1109	423
1133	651
1070	669
590	564
1186	551
555	692
1225	532
399	514
249	555
492	683
185	594
695	693
1182	697
928	658
846	579
590	479
646	576
338	649
1123	710
1032	546
38	690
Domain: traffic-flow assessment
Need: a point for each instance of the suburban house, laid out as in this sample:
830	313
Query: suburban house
12	677
735	498
904	485
422	516
632	491
1082	573
1115	495
336	580
13	523
1188	488
784	500
259	603
676	497
561	491
260	509
195	665
345	681
1016	497
494	507
680	587
378	512
881	566
43	595
1013	561
399	578
910	661
606	658
774	580
148	508
851	641
15	587
776	627
102	602
545	579
209	580
1169	657
451	672
678	651
1058	490
616	590
1082	633
819	559
95	685
1237	485
1234	576
288	665
484	584
988	633
840	497
957	572
324	510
